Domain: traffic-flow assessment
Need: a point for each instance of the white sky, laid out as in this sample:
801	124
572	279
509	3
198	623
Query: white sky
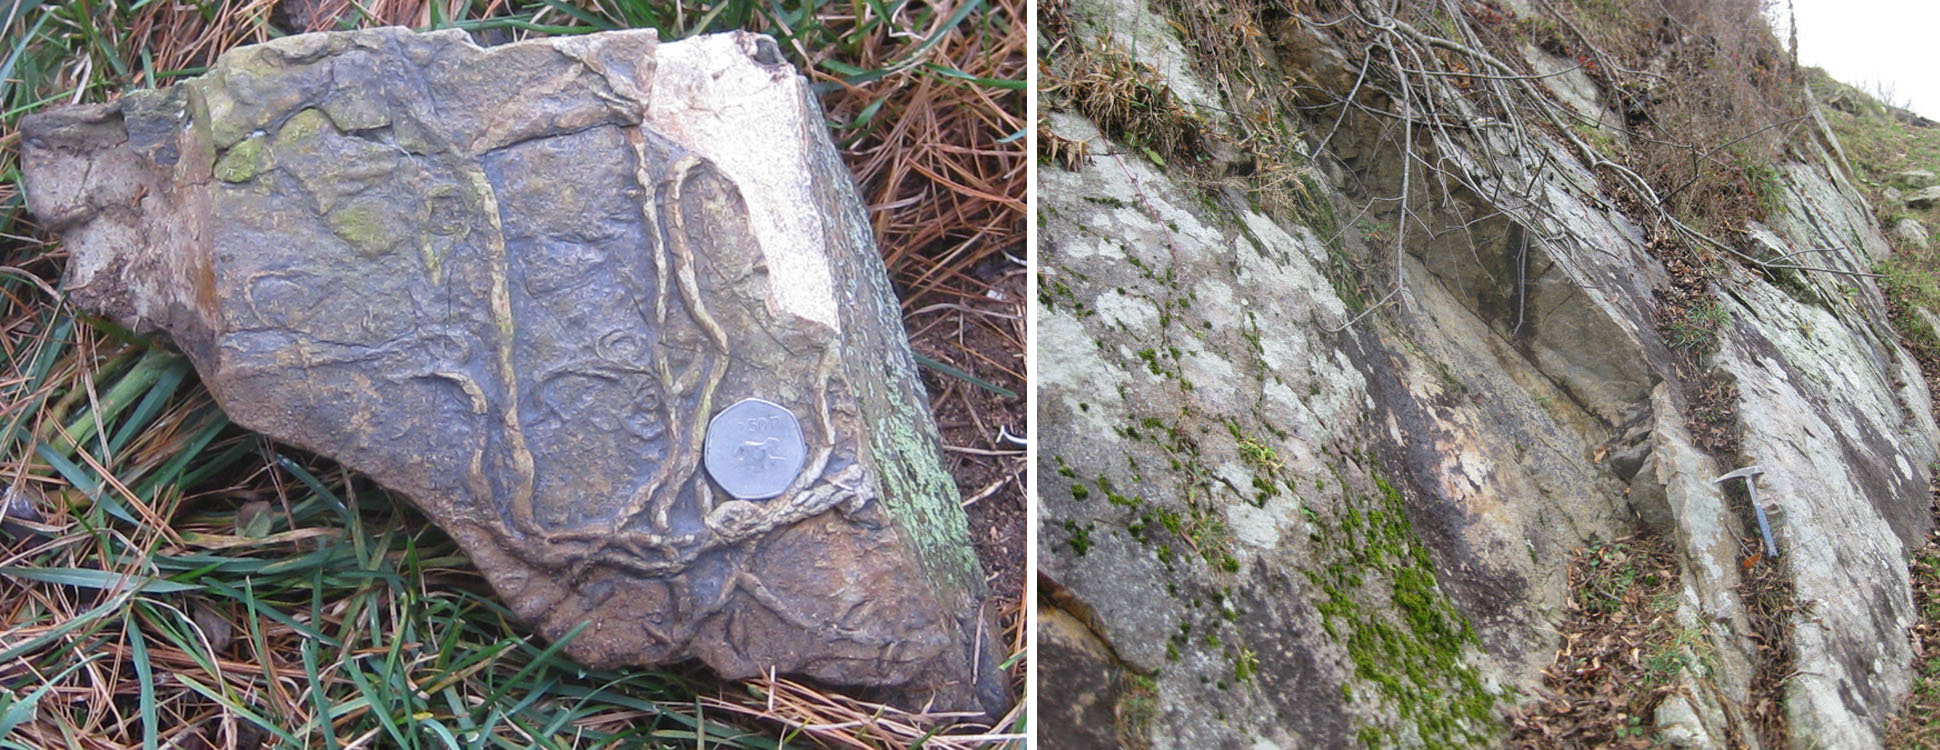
1864	42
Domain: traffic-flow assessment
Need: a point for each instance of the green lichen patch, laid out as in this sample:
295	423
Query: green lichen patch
1052	291
1185	531
243	161
922	498
1078	537
1403	636
1194	522
301	128
372	226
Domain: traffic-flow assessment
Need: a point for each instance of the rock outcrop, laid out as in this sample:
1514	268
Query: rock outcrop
515	284
1912	232
1914	179
1300	514
1923	198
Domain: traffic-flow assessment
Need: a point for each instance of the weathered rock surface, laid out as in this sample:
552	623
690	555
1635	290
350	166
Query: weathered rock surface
1923	198
1911	232
1086	691
1914	179
1838	415
514	284
1248	487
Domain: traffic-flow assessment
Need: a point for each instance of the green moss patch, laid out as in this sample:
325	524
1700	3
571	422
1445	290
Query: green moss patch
373	227
1404	637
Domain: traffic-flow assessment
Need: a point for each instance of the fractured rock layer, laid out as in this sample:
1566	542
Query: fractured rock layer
1304	514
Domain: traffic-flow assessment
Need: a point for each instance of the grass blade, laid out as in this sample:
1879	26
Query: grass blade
950	370
13	713
145	673
57	632
98	579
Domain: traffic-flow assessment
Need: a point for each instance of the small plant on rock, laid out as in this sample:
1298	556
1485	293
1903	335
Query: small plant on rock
1697	329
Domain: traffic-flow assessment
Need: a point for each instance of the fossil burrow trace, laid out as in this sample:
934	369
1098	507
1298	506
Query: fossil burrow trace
514	284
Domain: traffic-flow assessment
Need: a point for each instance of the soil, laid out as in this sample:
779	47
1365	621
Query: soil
1619	651
989	468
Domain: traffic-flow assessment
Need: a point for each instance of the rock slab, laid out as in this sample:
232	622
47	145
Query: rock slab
1911	232
1914	179
1923	198
514	284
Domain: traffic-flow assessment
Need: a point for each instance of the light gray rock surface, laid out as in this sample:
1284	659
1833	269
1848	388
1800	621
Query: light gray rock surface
1923	198
1912	232
1217	430
1914	179
1838	415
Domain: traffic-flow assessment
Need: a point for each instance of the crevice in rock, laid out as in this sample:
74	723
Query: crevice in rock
1051	593
1623	653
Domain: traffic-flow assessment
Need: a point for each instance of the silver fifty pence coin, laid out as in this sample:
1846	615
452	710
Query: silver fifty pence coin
754	449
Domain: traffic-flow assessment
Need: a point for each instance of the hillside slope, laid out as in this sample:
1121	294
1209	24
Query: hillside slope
1391	363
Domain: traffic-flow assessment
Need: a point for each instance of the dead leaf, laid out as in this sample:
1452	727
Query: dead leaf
253	519
214	625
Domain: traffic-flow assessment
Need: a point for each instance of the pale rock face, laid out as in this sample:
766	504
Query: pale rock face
1847	449
1914	179
1096	385
1923	198
1570	84
712	103
1911	232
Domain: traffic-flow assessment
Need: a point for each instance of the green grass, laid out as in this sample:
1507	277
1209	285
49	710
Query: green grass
1877	145
1697	329
183	581
157	556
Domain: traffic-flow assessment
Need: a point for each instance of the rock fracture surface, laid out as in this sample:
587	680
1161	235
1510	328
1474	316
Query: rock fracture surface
517	284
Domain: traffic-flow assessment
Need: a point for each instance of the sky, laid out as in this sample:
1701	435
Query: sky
1868	42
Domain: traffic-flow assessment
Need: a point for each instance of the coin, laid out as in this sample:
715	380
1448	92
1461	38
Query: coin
754	449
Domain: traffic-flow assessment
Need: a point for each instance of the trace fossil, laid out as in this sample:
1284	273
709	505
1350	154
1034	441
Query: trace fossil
515	284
